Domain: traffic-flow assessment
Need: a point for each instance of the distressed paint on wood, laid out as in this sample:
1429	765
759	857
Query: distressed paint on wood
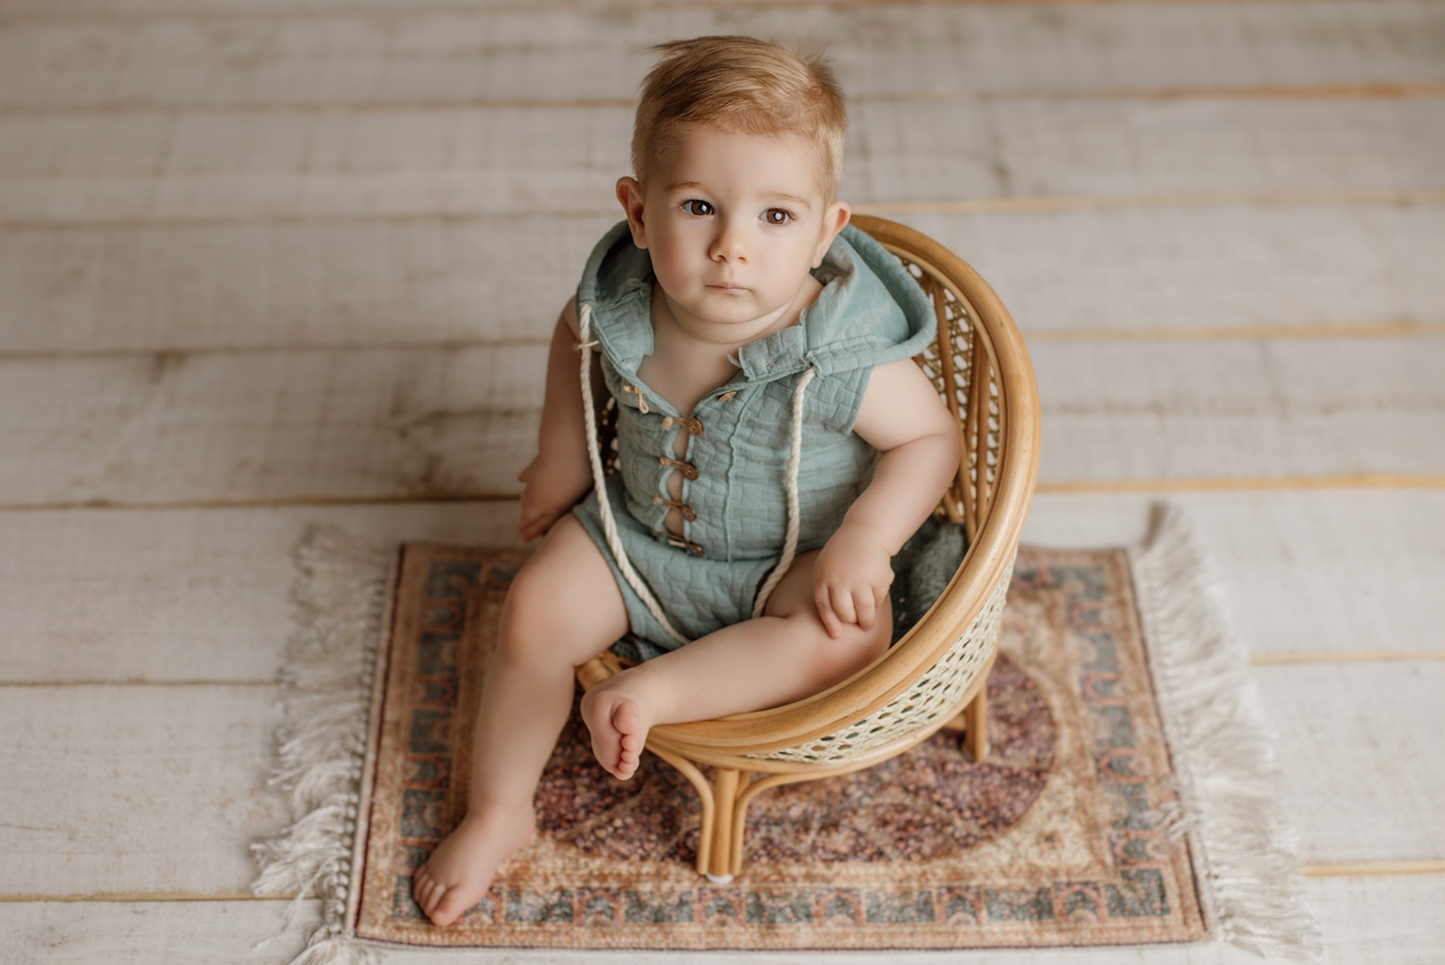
420	281
114	10
1297	573
462	422
331	425
135	789
189	595
450	57
203	165
1357	748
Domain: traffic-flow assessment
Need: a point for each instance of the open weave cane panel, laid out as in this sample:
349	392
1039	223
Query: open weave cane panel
932	697
953	363
961	339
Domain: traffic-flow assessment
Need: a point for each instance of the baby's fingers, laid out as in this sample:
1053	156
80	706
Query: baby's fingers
831	623
535	523
866	608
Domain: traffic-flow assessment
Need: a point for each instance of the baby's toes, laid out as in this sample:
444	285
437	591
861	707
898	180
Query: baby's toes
628	721
423	891
449	907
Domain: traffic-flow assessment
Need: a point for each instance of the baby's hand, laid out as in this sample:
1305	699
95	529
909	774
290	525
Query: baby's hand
547	495
851	579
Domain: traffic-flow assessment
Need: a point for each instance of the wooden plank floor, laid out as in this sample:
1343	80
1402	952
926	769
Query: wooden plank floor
266	264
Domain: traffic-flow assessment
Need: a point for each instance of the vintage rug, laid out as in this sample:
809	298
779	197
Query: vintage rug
1082	827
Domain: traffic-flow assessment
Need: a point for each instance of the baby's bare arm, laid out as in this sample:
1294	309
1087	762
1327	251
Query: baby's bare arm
560	474
903	418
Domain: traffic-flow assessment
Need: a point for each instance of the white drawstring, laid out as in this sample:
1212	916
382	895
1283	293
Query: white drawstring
790	541
604	505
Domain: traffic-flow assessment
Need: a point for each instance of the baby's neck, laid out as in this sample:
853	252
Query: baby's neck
691	358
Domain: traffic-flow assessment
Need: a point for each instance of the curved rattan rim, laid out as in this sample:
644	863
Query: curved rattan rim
722	740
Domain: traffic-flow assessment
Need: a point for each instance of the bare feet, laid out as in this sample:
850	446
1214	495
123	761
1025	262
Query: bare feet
619	726
460	870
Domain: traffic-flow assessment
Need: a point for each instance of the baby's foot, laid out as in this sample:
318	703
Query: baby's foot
460	870
619	726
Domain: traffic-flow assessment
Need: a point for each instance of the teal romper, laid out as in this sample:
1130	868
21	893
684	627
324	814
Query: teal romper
734	496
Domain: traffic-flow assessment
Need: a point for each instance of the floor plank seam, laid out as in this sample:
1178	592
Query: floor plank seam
1287	659
1361	656
133	682
1348	481
1374	869
1025	205
1271	332
615	7
1257	92
138	897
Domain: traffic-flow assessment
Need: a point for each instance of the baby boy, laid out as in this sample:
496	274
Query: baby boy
776	445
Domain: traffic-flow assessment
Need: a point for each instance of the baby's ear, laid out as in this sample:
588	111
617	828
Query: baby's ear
835	219
629	194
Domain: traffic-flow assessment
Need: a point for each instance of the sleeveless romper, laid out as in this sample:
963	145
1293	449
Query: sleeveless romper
734	496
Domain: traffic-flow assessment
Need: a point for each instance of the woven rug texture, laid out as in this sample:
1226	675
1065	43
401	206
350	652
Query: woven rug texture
1061	836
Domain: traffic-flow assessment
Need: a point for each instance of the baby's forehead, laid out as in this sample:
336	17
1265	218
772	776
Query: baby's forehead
678	158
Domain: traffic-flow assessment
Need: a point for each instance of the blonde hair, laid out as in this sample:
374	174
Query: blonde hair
743	86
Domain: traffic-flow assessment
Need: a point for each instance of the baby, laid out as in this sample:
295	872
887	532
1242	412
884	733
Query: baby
776	445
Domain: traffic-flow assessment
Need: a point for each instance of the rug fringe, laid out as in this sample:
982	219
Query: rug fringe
1228	773
340	605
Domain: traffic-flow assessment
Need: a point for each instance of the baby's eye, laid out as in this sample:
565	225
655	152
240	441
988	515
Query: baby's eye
700	209
777	216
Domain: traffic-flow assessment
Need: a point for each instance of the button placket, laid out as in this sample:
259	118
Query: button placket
688	470
688	513
682	544
722	409
689	473
693	426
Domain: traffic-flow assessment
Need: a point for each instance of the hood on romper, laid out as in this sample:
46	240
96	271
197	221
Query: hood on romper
871	310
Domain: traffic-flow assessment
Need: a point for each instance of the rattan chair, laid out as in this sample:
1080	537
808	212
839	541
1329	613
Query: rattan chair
935	674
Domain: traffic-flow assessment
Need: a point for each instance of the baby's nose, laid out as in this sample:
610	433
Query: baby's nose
730	243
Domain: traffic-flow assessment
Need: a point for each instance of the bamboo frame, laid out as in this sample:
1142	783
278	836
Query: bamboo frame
984	376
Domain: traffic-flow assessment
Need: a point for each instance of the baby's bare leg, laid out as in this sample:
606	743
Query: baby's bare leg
563	608
782	656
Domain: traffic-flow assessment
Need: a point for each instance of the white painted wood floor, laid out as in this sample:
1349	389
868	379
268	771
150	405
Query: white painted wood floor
268	263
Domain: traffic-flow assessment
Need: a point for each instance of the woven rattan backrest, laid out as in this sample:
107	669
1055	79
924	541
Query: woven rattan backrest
962	364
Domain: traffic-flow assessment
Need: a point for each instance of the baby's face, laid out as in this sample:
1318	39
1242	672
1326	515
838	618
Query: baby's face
733	223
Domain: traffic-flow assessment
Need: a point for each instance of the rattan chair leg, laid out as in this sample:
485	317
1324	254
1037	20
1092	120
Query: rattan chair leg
707	855
975	726
727	825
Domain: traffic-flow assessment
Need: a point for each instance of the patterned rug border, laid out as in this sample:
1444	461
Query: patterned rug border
1225	766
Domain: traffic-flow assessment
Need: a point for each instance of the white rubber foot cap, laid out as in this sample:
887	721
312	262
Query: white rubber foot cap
720	879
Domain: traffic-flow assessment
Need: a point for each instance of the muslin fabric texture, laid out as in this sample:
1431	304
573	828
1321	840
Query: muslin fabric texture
870	311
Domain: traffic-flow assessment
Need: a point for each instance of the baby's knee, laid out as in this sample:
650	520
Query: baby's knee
555	617
531	615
